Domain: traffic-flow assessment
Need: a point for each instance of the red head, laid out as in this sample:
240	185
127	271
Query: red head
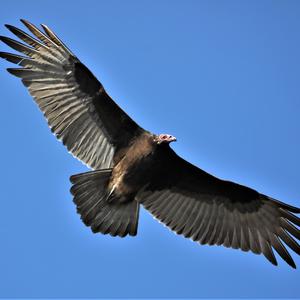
165	138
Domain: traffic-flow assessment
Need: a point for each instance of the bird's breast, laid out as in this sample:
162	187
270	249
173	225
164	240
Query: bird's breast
133	171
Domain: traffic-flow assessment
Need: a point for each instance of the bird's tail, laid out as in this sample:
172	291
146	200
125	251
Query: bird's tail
91	198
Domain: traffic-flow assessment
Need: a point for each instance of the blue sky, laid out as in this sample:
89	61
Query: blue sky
222	76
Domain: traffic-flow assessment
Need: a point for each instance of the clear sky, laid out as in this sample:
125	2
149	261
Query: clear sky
222	76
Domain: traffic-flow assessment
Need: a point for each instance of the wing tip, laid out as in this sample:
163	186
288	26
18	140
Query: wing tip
273	262
11	27
14	71
289	261
45	27
16	31
3	38
24	21
292	264
9	70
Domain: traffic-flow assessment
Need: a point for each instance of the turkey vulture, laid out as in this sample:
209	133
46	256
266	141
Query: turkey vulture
132	166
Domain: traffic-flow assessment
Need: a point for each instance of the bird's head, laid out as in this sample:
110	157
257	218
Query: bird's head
165	138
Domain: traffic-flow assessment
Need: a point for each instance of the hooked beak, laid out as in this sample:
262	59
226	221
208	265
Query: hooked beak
173	139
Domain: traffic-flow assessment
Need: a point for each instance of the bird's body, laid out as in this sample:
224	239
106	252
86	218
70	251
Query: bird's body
133	167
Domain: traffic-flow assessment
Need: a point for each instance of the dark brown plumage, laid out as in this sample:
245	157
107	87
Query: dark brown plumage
132	166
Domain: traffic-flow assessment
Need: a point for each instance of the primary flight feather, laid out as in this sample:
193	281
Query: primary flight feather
132	166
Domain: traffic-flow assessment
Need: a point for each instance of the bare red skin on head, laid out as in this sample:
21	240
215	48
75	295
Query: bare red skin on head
165	138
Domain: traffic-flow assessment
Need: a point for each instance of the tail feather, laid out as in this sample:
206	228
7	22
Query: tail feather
91	198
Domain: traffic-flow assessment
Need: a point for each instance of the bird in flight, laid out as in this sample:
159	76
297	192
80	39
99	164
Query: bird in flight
132	166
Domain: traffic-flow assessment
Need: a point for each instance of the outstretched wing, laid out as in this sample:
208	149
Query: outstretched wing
79	111
212	211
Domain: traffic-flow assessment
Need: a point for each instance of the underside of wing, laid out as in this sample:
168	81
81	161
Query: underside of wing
215	212
79	111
